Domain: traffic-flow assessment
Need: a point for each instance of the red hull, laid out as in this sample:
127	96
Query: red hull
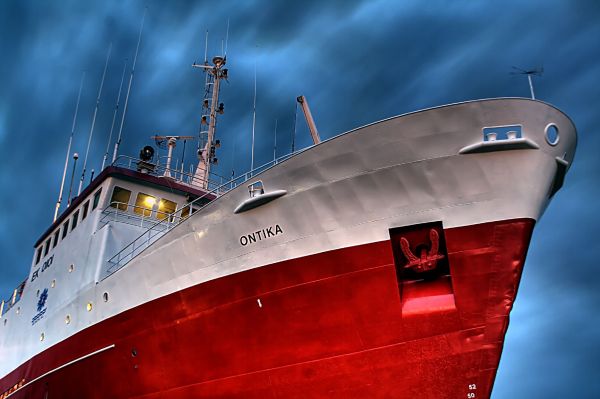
338	324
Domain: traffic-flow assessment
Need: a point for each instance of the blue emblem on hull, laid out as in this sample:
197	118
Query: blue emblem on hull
42	301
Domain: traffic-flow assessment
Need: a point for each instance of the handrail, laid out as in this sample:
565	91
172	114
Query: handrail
116	206
144	240
6	305
156	169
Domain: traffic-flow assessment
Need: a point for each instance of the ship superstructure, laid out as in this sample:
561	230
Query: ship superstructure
382	262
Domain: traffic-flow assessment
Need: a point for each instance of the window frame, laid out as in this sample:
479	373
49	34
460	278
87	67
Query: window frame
143	210
47	246
185	211
74	220
122	206
96	199
84	210
162	215
65	228
55	238
38	254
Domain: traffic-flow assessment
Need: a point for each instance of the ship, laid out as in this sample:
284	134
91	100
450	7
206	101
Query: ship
380	263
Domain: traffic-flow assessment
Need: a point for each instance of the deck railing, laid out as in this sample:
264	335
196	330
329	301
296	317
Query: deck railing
159	170
6	305
141	216
161	227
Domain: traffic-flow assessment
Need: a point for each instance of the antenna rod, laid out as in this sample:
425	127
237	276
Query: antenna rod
87	151
253	119
531	86
112	126
206	49
226	38
183	158
75	157
62	183
294	131
233	158
275	145
118	143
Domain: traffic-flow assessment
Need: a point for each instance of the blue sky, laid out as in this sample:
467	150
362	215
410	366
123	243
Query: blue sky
357	62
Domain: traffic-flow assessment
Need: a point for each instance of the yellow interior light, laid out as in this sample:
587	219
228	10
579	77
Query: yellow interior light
150	201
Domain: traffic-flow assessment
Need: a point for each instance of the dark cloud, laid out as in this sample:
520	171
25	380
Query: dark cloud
356	61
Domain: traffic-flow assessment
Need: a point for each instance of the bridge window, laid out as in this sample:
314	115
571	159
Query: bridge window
185	212
96	199
120	198
47	247
165	208
74	220
144	204
86	208
38	256
55	239
65	229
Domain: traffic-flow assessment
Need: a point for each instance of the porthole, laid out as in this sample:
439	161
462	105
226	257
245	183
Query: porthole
53	284
71	268
552	135
42	336
37	294
89	306
18	310
105	296
68	319
5	320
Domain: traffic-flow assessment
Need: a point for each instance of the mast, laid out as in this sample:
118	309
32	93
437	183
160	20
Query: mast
62	183
87	151
309	119
206	149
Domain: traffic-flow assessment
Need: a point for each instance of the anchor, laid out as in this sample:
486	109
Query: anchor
427	260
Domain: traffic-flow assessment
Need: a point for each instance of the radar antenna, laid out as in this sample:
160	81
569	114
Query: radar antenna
529	73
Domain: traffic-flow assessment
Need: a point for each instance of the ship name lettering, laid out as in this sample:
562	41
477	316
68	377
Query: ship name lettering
260	235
